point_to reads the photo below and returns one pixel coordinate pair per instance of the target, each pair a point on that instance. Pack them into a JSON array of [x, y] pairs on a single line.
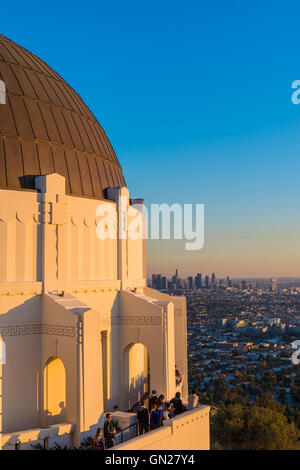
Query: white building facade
[[83, 333]]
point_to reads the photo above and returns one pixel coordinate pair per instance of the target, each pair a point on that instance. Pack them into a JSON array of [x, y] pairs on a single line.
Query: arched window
[[55, 391], [136, 373]]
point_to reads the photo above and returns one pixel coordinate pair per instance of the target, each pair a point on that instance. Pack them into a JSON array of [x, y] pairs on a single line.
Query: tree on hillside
[[267, 400], [252, 427]]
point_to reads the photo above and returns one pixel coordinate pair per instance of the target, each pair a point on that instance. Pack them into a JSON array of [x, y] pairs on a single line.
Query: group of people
[[151, 412], [104, 438]]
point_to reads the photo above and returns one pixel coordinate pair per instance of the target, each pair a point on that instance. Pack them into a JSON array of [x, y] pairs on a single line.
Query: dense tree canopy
[[258, 426]]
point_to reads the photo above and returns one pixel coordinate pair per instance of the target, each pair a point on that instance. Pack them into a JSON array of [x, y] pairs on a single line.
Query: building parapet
[[187, 431], [16, 440]]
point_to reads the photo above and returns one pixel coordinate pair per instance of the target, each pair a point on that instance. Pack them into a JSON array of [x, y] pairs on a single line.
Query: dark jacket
[[143, 415], [178, 406], [152, 400], [109, 429]]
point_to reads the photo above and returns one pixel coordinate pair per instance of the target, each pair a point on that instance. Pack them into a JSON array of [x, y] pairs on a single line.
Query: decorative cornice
[[136, 320], [37, 329], [23, 212], [85, 290], [69, 331], [94, 287]]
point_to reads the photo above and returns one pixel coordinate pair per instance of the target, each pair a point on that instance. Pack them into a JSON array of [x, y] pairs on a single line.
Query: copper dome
[[45, 127]]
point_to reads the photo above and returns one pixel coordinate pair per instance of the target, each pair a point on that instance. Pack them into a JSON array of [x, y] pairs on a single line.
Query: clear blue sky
[[195, 97]]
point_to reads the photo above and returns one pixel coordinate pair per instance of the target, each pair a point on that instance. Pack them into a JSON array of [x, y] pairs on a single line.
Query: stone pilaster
[[121, 197], [53, 219]]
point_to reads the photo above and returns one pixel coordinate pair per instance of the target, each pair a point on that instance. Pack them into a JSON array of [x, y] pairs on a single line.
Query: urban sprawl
[[242, 333]]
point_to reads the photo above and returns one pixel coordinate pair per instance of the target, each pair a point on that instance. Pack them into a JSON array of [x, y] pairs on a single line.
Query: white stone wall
[[89, 257], [188, 431], [19, 237], [48, 244]]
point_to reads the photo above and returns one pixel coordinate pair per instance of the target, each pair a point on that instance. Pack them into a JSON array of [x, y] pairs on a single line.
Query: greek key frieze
[[139, 320], [37, 329]]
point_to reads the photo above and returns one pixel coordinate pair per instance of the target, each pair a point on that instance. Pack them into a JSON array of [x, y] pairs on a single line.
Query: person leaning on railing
[[177, 403], [161, 401], [168, 412], [155, 417], [193, 400]]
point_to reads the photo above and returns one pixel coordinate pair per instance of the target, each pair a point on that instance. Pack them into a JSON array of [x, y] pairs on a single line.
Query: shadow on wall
[[54, 391], [137, 389], [136, 378], [56, 418]]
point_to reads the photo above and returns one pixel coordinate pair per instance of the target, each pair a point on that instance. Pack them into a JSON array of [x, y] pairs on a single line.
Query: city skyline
[[155, 267], [190, 281], [219, 277]]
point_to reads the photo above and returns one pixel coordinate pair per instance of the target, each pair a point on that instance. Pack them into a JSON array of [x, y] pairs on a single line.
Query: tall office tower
[[158, 282], [206, 282], [171, 285], [198, 281], [191, 283], [153, 281], [229, 281], [273, 284], [244, 285], [177, 280], [163, 283], [213, 279], [175, 277]]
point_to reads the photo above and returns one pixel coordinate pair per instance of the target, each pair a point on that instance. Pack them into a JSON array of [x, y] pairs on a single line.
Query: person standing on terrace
[[143, 418], [109, 431], [193, 400], [177, 403], [178, 376]]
